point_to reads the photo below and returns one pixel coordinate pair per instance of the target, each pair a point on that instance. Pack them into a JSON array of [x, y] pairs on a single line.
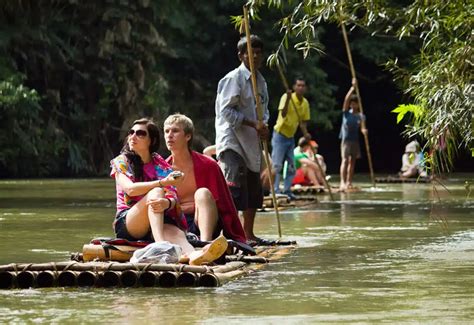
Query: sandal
[[260, 242], [236, 247], [210, 252]]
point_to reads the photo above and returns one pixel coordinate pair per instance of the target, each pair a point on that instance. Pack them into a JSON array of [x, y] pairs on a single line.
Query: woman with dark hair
[[147, 202]]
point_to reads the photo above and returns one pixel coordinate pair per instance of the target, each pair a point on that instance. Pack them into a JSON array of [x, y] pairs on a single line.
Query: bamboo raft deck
[[397, 179], [123, 274]]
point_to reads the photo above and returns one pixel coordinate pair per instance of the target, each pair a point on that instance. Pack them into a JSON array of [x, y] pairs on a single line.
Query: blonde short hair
[[184, 122]]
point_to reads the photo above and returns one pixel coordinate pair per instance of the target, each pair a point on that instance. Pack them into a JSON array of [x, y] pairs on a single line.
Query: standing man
[[292, 111], [238, 133], [203, 193], [352, 121]]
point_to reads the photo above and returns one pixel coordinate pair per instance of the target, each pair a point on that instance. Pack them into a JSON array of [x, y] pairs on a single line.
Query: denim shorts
[[193, 227], [120, 227]]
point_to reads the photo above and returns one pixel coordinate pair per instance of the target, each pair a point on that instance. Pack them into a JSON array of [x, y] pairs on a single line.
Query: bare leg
[[350, 170], [311, 174], [205, 215], [249, 220], [343, 173], [411, 172], [176, 236], [141, 218]]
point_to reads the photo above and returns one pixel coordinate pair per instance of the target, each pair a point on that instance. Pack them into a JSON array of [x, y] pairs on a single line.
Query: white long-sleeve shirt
[[234, 103]]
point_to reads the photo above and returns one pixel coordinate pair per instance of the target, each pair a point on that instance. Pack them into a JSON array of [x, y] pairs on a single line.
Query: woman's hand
[[159, 205], [173, 179]]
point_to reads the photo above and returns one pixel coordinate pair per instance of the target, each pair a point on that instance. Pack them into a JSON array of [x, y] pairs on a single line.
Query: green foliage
[[417, 111], [439, 79]]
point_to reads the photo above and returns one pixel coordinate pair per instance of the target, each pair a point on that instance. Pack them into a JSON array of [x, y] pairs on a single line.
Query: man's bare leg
[[205, 215], [249, 220]]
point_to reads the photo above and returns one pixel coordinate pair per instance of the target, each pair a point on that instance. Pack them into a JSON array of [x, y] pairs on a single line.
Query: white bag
[[162, 252]]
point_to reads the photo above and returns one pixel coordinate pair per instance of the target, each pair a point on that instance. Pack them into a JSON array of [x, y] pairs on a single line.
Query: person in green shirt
[[293, 111], [307, 170]]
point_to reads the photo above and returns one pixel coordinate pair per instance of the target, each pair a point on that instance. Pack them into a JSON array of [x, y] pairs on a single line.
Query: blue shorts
[[120, 227], [193, 227]]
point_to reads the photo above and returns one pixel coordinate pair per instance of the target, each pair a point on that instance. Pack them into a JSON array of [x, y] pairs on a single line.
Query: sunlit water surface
[[381, 255]]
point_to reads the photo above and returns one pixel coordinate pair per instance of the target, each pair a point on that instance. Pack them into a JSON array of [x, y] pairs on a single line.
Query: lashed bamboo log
[[187, 279], [46, 279], [87, 279], [148, 278], [129, 278], [67, 278], [101, 266], [7, 280], [167, 279], [26, 279]]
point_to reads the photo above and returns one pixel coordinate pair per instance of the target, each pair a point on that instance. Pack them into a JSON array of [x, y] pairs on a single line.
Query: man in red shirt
[[203, 193]]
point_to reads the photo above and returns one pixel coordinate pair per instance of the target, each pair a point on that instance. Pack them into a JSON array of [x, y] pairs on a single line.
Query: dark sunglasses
[[139, 133]]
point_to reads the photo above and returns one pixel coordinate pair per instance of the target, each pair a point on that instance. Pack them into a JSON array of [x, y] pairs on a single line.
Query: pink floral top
[[156, 169]]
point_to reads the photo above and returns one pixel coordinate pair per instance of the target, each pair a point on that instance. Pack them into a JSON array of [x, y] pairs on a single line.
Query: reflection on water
[[371, 256]]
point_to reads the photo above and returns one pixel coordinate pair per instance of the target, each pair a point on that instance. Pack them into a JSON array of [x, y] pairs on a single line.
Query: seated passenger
[[204, 196], [412, 161], [307, 170], [147, 202]]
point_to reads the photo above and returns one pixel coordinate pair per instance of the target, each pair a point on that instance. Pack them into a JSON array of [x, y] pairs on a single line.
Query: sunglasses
[[139, 133]]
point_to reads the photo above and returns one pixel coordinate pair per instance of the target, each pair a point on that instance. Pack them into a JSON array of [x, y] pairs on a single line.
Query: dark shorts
[[193, 227], [244, 184], [120, 227], [350, 148]]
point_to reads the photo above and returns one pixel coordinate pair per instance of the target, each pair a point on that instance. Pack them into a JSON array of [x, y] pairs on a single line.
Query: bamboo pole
[[287, 87], [260, 112], [353, 73]]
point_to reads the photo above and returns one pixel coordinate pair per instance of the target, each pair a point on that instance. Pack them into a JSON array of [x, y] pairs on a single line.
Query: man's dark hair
[[299, 78], [353, 99], [255, 41]]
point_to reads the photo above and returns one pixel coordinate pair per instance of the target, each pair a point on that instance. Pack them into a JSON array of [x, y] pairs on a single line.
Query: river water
[[380, 255]]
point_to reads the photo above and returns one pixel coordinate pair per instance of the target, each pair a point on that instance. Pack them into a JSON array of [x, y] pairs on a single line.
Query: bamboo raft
[[117, 274], [397, 179]]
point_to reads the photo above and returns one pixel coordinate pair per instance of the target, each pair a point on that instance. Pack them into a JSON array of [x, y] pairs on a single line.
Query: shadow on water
[[371, 256]]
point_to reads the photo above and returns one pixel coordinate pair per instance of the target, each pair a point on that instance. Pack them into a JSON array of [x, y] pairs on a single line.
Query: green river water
[[369, 257]]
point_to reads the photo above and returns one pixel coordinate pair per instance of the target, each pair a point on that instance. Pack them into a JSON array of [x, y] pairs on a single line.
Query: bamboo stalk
[[231, 266], [246, 259], [287, 87], [232, 275], [260, 112], [353, 73]]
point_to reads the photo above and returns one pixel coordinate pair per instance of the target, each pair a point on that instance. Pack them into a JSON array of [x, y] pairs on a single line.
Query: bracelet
[[159, 183], [169, 207]]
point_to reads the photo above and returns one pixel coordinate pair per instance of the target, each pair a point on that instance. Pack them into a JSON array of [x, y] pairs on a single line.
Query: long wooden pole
[[353, 73], [287, 87], [260, 113]]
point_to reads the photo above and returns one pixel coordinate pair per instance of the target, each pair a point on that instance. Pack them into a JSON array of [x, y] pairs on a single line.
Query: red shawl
[[208, 174]]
